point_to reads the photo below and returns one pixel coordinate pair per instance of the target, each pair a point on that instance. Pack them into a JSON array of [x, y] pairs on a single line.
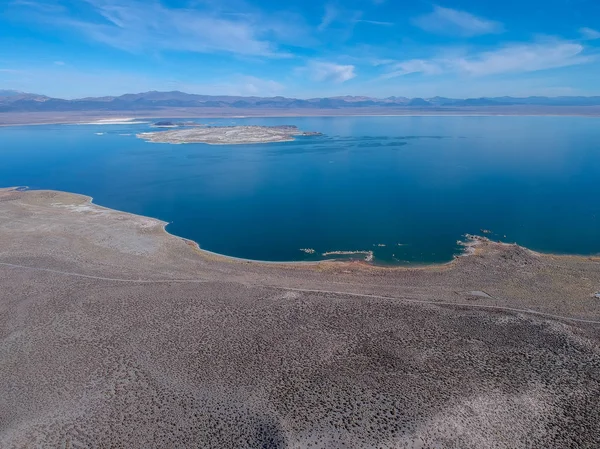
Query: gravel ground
[[114, 333]]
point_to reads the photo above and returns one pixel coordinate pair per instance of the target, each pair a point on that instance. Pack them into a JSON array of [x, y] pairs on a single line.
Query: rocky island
[[169, 124], [165, 124], [227, 135]]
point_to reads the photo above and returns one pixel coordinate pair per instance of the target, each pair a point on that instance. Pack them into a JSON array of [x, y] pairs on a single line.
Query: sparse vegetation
[[116, 334], [227, 135]]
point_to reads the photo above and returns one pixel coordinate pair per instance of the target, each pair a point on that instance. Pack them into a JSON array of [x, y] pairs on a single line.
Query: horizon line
[[17, 91]]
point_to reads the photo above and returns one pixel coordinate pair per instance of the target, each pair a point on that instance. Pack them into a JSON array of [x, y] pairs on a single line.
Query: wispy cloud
[[346, 18], [237, 85], [331, 72], [250, 85], [414, 66], [449, 21], [524, 58], [46, 6], [509, 59], [589, 33], [136, 25], [331, 13], [375, 22]]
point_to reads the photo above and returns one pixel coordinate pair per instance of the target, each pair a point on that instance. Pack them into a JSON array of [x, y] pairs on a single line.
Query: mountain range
[[15, 101]]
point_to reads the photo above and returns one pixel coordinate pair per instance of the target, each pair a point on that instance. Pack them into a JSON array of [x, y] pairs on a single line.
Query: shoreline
[[120, 333], [471, 244], [104, 118]]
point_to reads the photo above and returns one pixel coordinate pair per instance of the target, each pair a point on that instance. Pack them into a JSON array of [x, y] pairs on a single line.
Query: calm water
[[413, 184]]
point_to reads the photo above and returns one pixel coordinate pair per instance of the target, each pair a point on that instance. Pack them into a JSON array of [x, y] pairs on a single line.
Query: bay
[[406, 188]]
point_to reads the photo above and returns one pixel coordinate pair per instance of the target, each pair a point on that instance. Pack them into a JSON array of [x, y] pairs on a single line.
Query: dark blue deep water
[[413, 184]]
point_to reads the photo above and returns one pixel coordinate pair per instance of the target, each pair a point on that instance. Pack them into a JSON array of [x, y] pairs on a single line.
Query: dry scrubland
[[116, 334]]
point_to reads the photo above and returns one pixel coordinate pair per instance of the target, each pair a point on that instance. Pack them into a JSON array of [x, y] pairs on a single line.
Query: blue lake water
[[413, 184]]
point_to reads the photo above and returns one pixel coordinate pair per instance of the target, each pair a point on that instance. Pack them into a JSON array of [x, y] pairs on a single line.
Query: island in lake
[[227, 135], [169, 124]]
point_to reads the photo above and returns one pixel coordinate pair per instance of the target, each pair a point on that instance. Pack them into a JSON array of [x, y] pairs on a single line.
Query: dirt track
[[115, 334]]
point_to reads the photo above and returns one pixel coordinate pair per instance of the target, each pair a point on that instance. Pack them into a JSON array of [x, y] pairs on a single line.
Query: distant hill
[[15, 101], [12, 96], [419, 102]]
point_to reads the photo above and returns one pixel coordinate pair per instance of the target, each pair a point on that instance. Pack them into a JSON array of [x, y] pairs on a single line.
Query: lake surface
[[413, 184]]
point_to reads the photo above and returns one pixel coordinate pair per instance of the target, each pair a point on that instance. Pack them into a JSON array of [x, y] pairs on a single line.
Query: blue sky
[[459, 48]]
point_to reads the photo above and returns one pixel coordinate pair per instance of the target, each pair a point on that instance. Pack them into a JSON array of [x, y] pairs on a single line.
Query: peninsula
[[114, 333], [227, 135]]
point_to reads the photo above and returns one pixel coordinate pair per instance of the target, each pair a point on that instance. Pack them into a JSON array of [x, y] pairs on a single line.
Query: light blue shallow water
[[413, 184]]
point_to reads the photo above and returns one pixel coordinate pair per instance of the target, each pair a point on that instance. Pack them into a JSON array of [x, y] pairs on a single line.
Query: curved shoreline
[[225, 257], [110, 323], [164, 224], [470, 245], [71, 117]]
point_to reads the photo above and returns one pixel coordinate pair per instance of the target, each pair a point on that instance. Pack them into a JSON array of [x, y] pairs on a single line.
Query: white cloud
[[59, 63], [331, 13], [509, 59], [49, 7], [328, 71], [375, 22], [523, 58], [414, 66], [345, 19], [136, 25], [589, 33], [250, 85], [454, 22]]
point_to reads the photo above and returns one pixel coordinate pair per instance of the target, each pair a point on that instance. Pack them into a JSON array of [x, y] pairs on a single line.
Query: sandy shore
[[71, 117], [115, 333], [114, 121]]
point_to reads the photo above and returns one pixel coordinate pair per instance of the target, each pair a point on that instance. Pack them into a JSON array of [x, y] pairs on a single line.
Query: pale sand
[[114, 121], [38, 118]]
